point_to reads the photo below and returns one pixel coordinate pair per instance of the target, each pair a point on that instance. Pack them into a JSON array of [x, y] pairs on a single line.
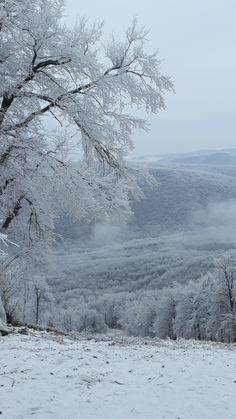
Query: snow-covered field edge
[[49, 375]]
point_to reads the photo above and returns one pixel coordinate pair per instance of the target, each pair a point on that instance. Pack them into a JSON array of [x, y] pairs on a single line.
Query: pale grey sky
[[196, 39]]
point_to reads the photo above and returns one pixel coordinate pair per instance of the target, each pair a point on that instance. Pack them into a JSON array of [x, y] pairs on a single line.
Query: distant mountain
[[219, 158], [201, 157]]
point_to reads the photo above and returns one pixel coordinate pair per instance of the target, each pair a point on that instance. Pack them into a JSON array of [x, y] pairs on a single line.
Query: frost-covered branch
[[50, 71]]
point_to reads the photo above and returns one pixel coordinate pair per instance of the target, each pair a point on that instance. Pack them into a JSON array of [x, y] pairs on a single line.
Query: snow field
[[46, 376]]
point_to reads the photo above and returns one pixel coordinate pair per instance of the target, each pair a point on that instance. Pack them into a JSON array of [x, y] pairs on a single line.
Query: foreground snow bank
[[48, 376]]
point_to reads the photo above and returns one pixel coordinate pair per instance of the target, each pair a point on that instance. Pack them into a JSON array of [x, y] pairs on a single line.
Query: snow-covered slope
[[46, 376]]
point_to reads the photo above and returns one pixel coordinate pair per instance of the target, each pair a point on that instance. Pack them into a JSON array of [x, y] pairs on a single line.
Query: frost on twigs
[[50, 72], [5, 241]]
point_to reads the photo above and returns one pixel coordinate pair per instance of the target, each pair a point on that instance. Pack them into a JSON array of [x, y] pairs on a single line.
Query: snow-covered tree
[[42, 297], [186, 323], [222, 321], [163, 326], [7, 290], [10, 283], [50, 72], [138, 316]]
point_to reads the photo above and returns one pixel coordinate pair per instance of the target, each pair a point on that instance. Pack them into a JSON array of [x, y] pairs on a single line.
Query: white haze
[[212, 228], [107, 233]]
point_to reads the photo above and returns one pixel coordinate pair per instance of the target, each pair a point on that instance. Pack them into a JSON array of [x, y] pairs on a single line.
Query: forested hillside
[[175, 237]]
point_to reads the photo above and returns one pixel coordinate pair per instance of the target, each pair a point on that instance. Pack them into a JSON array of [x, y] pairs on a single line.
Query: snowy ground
[[46, 376]]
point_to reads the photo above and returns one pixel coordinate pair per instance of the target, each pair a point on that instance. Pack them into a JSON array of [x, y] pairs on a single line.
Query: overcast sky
[[196, 39]]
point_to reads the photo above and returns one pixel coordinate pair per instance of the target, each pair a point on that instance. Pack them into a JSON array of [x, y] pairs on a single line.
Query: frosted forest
[[91, 239]]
